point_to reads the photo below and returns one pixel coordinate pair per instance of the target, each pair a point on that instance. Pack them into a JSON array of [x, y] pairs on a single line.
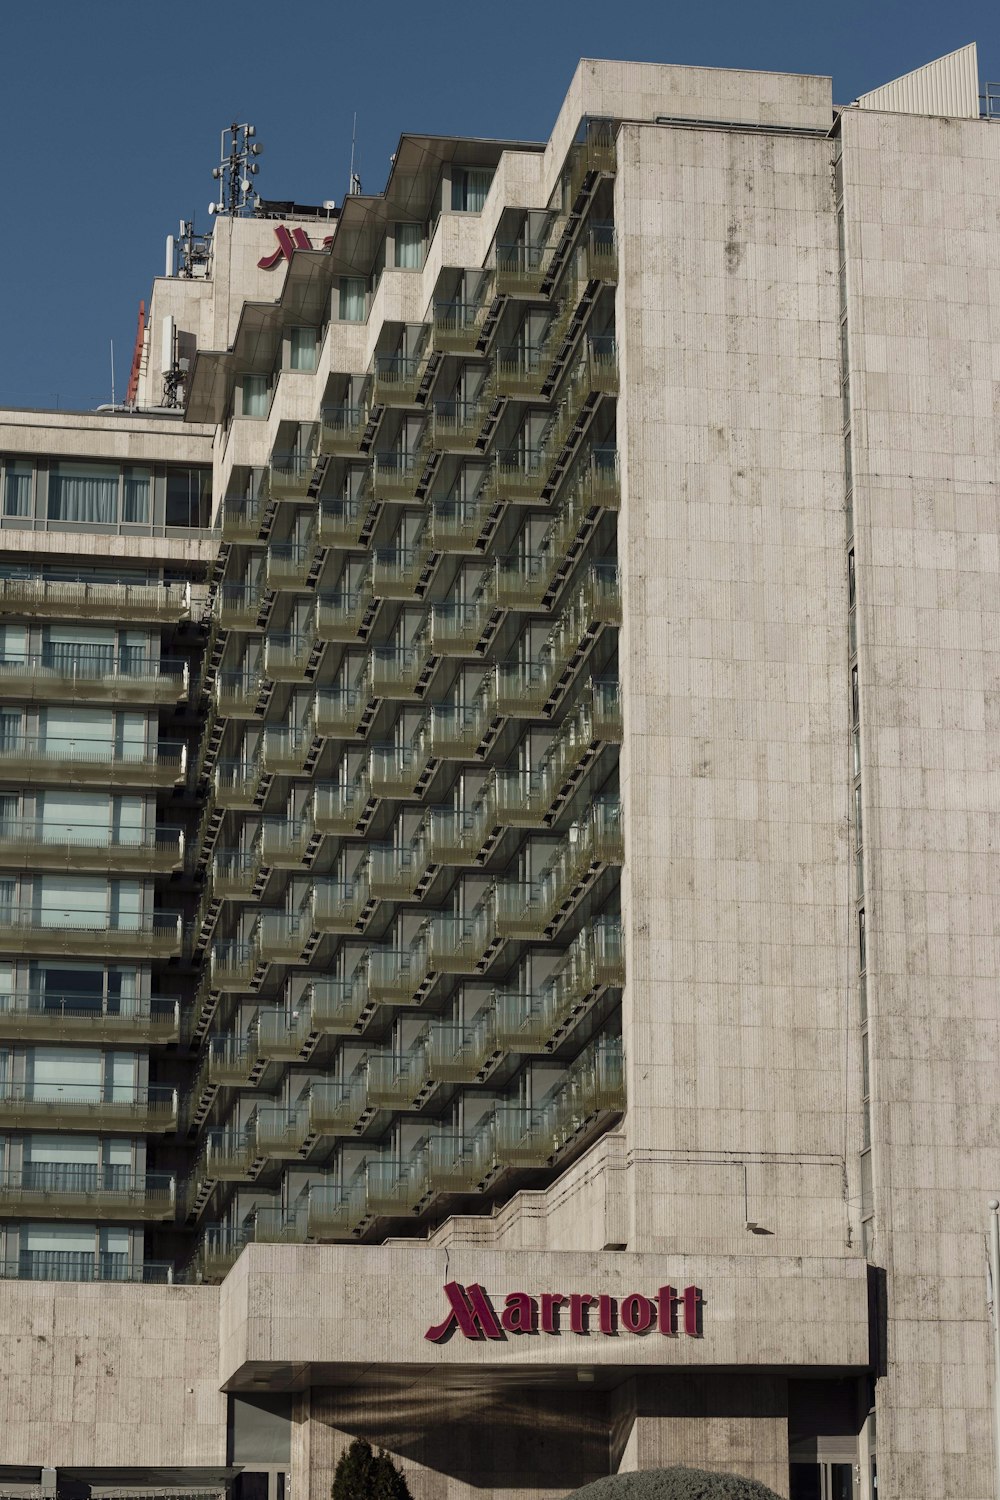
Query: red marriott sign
[[472, 1314]]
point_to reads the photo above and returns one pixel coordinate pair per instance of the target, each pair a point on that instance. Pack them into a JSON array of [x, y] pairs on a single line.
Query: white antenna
[[112, 372], [354, 186]]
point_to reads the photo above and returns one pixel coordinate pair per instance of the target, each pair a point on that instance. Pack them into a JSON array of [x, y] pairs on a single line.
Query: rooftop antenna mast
[[112, 372], [236, 171], [355, 184]]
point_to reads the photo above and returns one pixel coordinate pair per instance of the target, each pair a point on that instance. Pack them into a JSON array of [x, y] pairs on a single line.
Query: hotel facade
[[499, 822]]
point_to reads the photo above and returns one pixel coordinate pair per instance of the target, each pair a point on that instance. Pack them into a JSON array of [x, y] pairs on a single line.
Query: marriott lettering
[[472, 1313]]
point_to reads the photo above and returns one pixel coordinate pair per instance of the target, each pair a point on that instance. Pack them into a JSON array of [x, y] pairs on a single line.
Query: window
[[409, 239], [352, 299], [303, 344], [83, 493], [135, 498], [254, 393], [469, 187], [17, 488], [189, 497]]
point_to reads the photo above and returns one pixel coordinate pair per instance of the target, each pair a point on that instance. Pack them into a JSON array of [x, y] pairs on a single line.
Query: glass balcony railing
[[520, 370], [286, 656], [340, 523], [452, 731], [341, 429], [595, 373], [337, 905], [448, 836], [531, 1022], [242, 517], [46, 844], [456, 424], [289, 475], [456, 325], [396, 770], [281, 842], [396, 571], [460, 944], [55, 1189], [233, 874], [394, 872], [84, 1265], [520, 580], [458, 525], [235, 693], [56, 930], [278, 937], [458, 1053], [55, 599], [599, 253], [285, 749], [397, 378], [83, 1106], [288, 564], [394, 474], [238, 605], [592, 156], [335, 1006], [231, 965], [337, 711], [521, 267], [336, 808], [43, 760], [326, 1210], [340, 613], [394, 975], [396, 671], [394, 1080], [79, 1018], [530, 910], [513, 799], [456, 629], [518, 474], [234, 784], [217, 1252], [95, 676]]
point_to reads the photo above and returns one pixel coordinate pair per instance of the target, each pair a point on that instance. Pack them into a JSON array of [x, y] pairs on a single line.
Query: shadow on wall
[[543, 1440]]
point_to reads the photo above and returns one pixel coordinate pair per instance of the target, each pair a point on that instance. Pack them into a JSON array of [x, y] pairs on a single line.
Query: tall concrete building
[[499, 893]]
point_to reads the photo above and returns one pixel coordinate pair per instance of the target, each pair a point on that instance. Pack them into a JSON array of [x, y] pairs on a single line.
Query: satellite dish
[[211, 209]]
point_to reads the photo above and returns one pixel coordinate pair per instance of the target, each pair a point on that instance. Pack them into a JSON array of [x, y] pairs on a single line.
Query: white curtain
[[352, 299], [17, 490], [84, 493], [302, 349], [76, 649], [409, 246], [135, 505]]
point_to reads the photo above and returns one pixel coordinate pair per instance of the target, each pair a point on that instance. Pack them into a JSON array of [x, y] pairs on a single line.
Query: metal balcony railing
[[520, 370], [455, 326], [340, 613], [83, 1265], [56, 599], [518, 474], [78, 1018], [64, 1189], [94, 675], [341, 522], [32, 929], [289, 475], [242, 517], [235, 693], [119, 1108], [396, 378], [237, 605], [337, 711], [521, 267], [394, 474], [457, 525], [456, 424], [41, 760], [341, 429], [46, 844]]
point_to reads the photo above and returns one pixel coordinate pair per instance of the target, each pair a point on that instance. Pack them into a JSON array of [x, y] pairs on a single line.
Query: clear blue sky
[[111, 113]]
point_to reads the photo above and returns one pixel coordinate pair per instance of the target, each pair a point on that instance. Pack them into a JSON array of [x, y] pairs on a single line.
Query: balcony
[[217, 1252], [326, 1211], [337, 906], [456, 629], [235, 694], [278, 937], [70, 1190], [394, 474], [77, 1018], [341, 430], [599, 254], [456, 425], [85, 1265], [282, 842], [396, 770], [86, 933], [518, 474], [400, 671], [448, 836], [344, 614], [456, 325], [394, 974], [234, 785], [459, 1054], [394, 872], [452, 731], [289, 564], [396, 571], [513, 799], [234, 875], [594, 374], [34, 760], [533, 910], [536, 1021], [397, 378], [340, 523], [594, 155], [238, 606], [520, 371], [243, 518], [286, 750], [597, 482], [286, 656], [94, 675], [117, 1109], [336, 1006], [231, 966], [395, 1080], [520, 582], [458, 525], [462, 945], [521, 267], [290, 475], [50, 599], [43, 844], [337, 808], [338, 711]]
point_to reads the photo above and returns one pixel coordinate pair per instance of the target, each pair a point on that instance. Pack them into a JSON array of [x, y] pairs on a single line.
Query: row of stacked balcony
[[94, 677], [510, 910], [511, 798], [404, 672], [84, 933], [141, 1109], [36, 760], [71, 1189], [48, 845], [510, 1138], [58, 599], [512, 1021]]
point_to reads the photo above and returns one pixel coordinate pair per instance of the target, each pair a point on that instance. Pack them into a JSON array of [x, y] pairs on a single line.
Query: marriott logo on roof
[[472, 1314]]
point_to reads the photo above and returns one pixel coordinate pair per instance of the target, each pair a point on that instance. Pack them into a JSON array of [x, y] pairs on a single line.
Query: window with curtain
[[135, 497], [469, 187], [86, 494], [253, 391], [77, 649], [68, 730], [17, 479], [352, 299], [303, 344], [189, 496], [72, 901], [409, 241]]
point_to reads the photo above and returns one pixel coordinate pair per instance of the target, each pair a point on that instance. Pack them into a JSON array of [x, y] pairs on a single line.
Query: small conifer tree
[[363, 1475]]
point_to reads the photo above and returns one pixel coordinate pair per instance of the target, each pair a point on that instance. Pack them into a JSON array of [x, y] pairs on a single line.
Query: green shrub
[[363, 1475], [674, 1484]]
